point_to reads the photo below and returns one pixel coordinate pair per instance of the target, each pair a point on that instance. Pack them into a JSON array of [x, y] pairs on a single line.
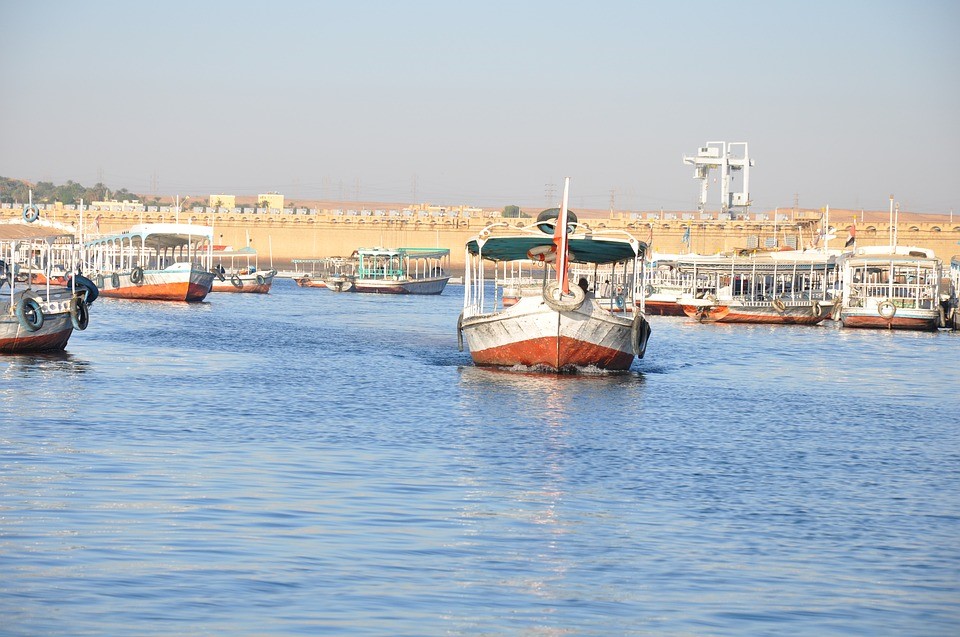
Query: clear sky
[[842, 102]]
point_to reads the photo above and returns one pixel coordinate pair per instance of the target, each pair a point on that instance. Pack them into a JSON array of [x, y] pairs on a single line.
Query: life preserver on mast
[[31, 213]]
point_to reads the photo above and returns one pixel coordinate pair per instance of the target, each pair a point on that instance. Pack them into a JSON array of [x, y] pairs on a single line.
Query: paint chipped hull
[[190, 285], [531, 334]]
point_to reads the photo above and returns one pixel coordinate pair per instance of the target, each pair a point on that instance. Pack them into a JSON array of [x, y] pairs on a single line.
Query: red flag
[[852, 238]]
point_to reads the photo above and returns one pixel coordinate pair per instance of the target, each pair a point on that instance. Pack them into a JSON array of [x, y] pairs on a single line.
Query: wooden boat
[[402, 270], [663, 285], [308, 281], [552, 325], [895, 288], [951, 304], [41, 301], [339, 283], [785, 288], [245, 277], [159, 261]]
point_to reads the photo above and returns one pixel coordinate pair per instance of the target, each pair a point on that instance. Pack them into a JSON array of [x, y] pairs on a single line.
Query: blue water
[[317, 463]]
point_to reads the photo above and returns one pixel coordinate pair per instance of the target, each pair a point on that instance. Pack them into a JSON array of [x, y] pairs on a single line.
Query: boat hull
[[917, 321], [658, 307], [52, 335], [766, 314], [191, 285], [531, 334], [413, 286], [257, 283]]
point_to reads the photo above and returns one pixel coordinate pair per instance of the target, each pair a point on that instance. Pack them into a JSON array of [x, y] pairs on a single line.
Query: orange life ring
[[543, 254]]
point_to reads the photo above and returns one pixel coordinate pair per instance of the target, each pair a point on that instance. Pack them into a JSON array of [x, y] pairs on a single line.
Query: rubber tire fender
[[27, 306], [552, 297], [236, 281], [136, 275], [79, 313], [639, 334]]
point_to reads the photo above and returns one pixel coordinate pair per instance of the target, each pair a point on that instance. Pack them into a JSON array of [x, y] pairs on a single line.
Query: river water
[[316, 463]]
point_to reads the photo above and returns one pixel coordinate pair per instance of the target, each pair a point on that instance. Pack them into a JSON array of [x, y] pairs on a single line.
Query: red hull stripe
[[896, 323], [546, 352], [182, 291], [30, 342]]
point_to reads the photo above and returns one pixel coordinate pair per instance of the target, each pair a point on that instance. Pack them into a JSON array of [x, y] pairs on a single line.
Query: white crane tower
[[729, 158]]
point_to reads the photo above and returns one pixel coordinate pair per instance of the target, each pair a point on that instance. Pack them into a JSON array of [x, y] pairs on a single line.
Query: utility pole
[[548, 193], [613, 201]]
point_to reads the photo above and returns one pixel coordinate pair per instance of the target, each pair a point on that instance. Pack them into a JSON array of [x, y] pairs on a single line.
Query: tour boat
[[41, 301], [158, 261], [786, 288], [663, 285], [244, 276], [550, 325], [894, 288], [402, 270]]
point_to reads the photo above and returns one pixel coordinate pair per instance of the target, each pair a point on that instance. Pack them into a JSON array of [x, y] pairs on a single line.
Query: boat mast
[[560, 239]]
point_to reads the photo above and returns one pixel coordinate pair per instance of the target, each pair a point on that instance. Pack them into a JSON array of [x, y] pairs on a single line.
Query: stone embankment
[[284, 236]]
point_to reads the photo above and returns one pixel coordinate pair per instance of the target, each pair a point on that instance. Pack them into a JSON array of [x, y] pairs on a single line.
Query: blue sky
[[842, 102]]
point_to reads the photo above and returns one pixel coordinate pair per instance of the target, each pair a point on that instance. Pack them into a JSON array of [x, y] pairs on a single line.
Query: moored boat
[[245, 277], [781, 288], [160, 261], [402, 270], [895, 288], [41, 301], [551, 325]]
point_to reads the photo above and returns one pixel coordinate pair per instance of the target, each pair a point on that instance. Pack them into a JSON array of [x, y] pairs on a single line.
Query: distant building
[[274, 200], [227, 202]]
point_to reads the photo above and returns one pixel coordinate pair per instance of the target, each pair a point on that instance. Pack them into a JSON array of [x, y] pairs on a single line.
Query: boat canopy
[[584, 248], [158, 235], [415, 253]]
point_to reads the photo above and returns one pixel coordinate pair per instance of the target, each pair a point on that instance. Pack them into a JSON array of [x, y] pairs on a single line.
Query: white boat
[[784, 287], [244, 276], [951, 311], [159, 261], [894, 288], [402, 270], [41, 301], [550, 324]]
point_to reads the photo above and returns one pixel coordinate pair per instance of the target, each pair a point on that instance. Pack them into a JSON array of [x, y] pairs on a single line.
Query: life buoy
[[887, 309], [261, 280], [136, 275], [31, 213], [29, 313], [639, 334], [115, 280], [237, 281], [648, 291], [778, 305], [79, 314], [543, 254], [553, 297]]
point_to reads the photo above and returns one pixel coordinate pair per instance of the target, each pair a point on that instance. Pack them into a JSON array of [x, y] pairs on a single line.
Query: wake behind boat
[[550, 324], [155, 261]]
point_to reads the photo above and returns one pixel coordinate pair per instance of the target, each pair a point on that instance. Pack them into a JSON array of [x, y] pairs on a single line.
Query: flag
[[686, 236], [852, 238]]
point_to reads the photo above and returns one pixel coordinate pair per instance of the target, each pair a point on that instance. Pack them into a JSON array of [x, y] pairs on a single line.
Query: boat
[[155, 261], [891, 287], [42, 298], [402, 270], [545, 323], [781, 288], [316, 272], [663, 285], [244, 276]]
